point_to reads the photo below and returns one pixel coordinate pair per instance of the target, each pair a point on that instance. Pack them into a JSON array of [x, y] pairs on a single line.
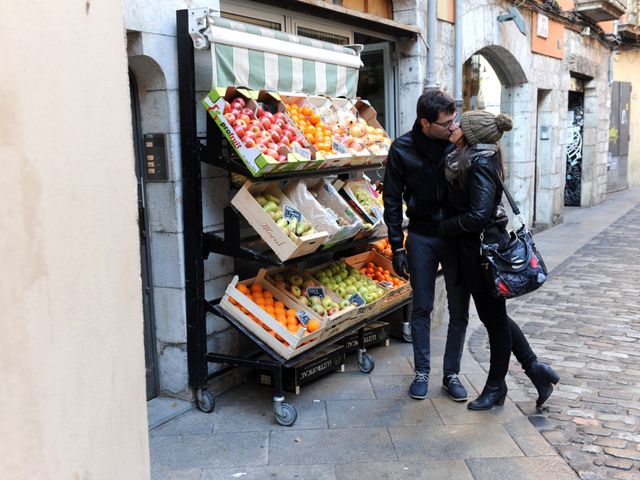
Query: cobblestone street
[[586, 323]]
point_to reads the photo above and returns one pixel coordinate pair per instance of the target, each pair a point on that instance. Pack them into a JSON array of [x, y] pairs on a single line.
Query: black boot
[[542, 376], [493, 393]]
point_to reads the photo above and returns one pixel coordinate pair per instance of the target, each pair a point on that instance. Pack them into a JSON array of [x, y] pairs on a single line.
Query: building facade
[[544, 63]]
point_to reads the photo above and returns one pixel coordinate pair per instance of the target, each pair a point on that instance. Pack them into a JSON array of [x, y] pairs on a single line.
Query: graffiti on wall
[[574, 156]]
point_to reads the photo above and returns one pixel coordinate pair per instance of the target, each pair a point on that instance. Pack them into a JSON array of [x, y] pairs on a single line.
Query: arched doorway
[[494, 80]]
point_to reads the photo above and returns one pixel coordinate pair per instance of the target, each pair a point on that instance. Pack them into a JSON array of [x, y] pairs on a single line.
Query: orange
[[256, 287], [267, 294], [233, 301], [291, 313], [313, 325], [268, 301], [259, 301], [307, 110], [293, 328], [278, 304], [270, 310], [292, 321], [282, 321], [243, 288]]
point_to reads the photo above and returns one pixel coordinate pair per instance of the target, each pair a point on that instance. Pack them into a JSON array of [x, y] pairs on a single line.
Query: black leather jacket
[[472, 203], [415, 173]]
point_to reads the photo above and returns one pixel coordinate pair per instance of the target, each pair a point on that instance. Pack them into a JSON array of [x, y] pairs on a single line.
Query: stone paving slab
[[381, 413], [204, 451], [457, 413], [537, 468], [190, 474], [333, 446], [431, 470], [288, 472], [453, 441]]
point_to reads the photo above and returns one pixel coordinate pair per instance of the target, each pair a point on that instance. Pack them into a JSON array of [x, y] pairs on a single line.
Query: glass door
[[376, 83]]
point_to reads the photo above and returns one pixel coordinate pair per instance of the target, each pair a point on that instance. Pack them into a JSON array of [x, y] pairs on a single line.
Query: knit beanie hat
[[480, 126]]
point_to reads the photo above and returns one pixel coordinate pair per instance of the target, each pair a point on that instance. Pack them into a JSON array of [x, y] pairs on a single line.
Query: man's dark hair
[[433, 102]]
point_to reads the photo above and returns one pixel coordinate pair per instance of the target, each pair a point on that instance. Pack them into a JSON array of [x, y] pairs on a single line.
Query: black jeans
[[505, 336], [425, 253]]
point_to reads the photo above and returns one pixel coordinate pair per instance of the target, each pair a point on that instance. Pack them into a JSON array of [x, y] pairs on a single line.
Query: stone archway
[[514, 98]]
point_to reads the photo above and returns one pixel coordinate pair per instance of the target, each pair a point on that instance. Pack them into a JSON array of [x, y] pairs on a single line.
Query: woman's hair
[[464, 160]]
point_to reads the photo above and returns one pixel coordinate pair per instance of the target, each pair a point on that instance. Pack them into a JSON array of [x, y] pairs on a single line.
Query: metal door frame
[[152, 375]]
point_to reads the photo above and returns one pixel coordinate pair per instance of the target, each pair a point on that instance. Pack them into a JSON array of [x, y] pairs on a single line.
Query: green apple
[[380, 292], [342, 284], [304, 300], [319, 309], [350, 290], [327, 302], [344, 303], [363, 291], [314, 300], [296, 280], [295, 291], [340, 291], [368, 297]]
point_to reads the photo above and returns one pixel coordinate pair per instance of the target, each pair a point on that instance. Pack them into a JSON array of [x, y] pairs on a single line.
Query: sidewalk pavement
[[351, 425]]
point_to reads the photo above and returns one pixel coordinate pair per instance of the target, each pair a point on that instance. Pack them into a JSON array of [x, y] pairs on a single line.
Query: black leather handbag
[[516, 268]]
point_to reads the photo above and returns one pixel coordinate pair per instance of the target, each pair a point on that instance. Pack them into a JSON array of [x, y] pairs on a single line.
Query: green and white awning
[[261, 58]]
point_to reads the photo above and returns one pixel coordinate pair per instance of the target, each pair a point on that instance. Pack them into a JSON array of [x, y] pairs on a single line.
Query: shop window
[[253, 21], [324, 36]]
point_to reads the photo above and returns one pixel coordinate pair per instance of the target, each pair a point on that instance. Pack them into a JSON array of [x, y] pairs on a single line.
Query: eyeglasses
[[445, 124]]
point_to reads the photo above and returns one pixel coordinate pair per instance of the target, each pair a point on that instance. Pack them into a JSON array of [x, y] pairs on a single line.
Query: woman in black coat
[[474, 171]]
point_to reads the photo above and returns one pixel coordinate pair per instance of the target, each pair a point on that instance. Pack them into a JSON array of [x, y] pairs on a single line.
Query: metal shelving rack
[[199, 244]]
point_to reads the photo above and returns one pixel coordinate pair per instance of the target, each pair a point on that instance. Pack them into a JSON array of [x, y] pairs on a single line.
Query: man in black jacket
[[415, 173]]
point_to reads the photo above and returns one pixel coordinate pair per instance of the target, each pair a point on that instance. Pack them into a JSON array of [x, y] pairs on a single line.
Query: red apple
[[240, 130], [272, 145], [255, 129], [240, 101], [245, 117], [248, 112], [269, 116], [285, 140], [282, 158], [262, 147], [266, 136], [275, 136], [231, 118], [279, 116], [249, 141], [272, 153], [259, 112], [266, 123], [227, 107]]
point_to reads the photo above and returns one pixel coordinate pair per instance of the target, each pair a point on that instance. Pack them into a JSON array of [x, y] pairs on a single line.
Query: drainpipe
[[457, 63], [432, 23], [612, 55]]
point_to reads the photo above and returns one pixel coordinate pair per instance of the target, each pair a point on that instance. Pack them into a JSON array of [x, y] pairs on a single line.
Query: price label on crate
[[303, 152], [339, 148], [291, 213], [386, 284], [303, 317], [315, 292], [357, 300]]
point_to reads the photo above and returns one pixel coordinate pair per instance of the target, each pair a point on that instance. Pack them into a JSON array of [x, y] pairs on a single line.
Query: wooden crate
[[280, 243], [375, 333]]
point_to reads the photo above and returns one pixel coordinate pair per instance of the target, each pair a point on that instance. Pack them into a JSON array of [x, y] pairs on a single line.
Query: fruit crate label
[[386, 284], [303, 152], [339, 148], [377, 212], [291, 213], [315, 292], [303, 317], [357, 300]]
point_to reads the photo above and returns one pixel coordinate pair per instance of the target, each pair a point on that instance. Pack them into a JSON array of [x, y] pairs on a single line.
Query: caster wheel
[[206, 403], [367, 364], [288, 416], [407, 338]]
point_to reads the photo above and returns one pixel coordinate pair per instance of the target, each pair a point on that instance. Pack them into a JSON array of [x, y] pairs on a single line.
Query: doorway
[[575, 126], [617, 167], [150, 355]]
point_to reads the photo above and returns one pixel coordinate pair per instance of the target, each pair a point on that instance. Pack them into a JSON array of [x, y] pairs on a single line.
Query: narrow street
[[584, 321]]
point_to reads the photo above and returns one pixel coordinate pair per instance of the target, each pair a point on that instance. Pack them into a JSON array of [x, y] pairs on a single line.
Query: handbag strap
[[512, 202]]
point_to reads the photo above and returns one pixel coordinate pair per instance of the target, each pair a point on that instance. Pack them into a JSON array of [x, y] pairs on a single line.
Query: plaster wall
[[625, 69], [71, 351], [152, 50]]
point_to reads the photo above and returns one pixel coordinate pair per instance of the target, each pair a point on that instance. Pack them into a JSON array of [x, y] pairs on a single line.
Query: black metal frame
[[198, 244]]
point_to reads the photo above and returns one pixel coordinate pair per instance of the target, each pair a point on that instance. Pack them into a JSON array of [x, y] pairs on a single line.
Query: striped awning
[[261, 58]]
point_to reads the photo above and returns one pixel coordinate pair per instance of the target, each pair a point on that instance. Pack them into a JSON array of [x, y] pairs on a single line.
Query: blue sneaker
[[451, 384], [420, 386]]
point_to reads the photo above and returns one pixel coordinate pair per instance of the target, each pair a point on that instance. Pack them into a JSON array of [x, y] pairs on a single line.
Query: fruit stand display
[[300, 212]]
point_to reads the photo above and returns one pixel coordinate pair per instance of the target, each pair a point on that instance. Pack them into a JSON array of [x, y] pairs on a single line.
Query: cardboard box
[[278, 338], [328, 196], [321, 216], [283, 246], [257, 162], [394, 294], [376, 333], [325, 361]]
